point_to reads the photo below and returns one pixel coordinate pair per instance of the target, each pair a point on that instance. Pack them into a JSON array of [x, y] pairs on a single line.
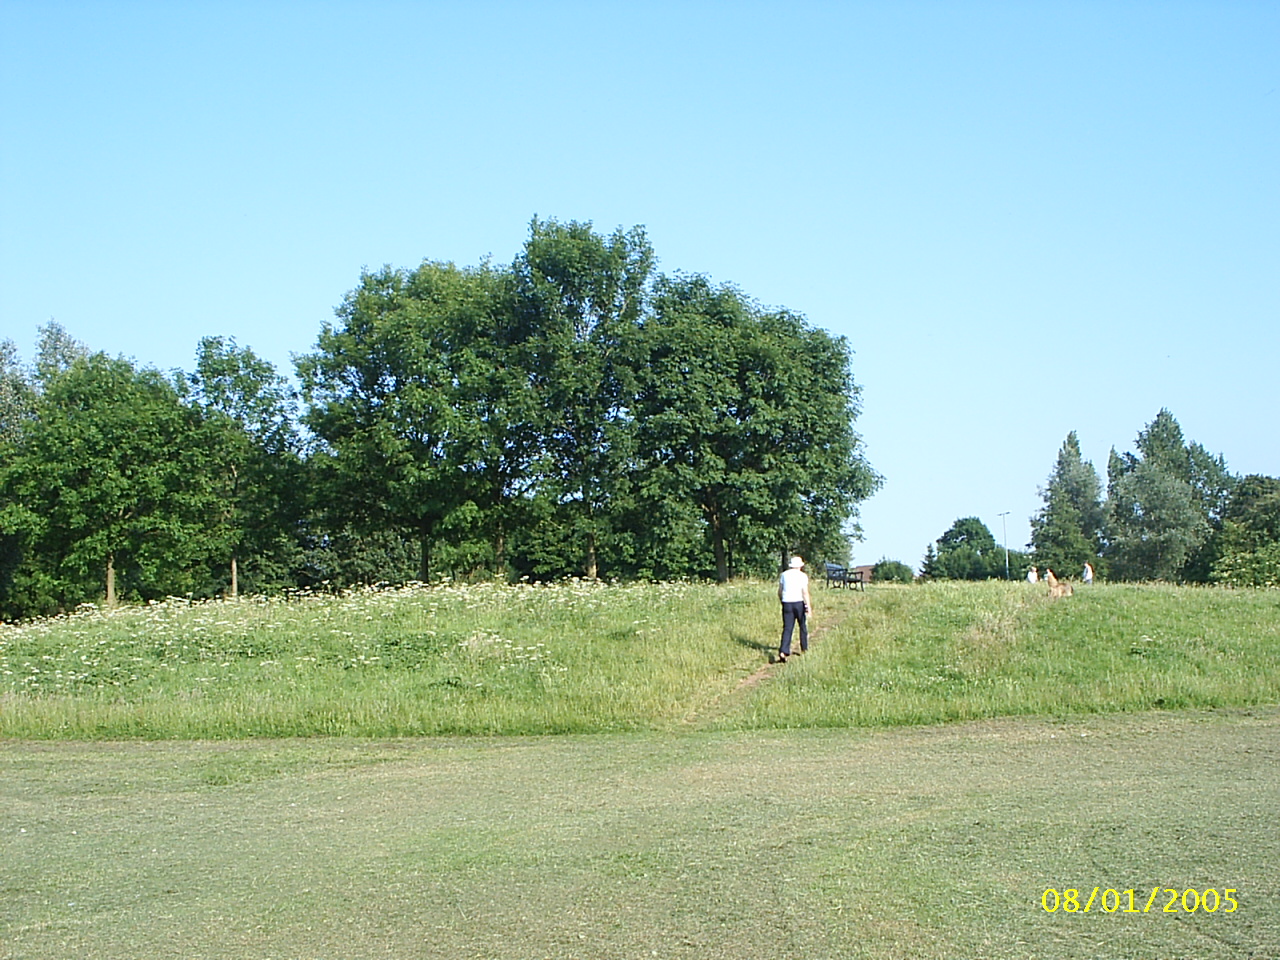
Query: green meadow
[[490, 659], [590, 770]]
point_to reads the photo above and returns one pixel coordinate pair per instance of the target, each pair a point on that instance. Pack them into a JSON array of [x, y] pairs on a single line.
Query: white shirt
[[794, 583]]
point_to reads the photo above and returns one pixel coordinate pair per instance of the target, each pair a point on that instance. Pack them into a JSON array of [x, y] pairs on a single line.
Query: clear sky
[[1026, 217]]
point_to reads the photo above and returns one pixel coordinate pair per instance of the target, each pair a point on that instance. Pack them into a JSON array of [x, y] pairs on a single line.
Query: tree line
[[1171, 511], [575, 413]]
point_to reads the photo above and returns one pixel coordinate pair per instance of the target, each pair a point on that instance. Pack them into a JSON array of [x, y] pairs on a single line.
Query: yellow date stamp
[[1190, 900]]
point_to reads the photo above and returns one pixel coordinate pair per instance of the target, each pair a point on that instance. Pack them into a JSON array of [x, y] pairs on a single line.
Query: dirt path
[[721, 701]]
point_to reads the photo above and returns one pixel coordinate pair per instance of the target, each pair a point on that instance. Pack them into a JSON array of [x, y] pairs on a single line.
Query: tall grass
[[593, 657], [480, 658], [960, 651]]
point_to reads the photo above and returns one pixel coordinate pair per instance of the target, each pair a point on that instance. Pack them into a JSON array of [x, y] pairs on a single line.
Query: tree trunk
[[592, 569], [711, 508], [235, 578], [111, 579], [499, 534], [717, 548], [424, 559], [500, 553]]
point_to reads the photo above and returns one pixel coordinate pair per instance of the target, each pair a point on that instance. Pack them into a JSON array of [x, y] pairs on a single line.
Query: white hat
[[796, 563]]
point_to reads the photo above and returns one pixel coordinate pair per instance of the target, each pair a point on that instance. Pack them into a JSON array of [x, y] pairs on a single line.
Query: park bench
[[840, 576]]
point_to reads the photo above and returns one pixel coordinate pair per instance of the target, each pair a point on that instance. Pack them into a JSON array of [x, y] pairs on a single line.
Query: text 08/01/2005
[[1127, 901]]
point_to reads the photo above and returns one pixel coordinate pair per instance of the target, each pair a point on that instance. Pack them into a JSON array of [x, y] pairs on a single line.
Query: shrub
[[892, 571]]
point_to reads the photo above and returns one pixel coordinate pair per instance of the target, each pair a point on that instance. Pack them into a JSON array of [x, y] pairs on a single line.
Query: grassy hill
[[594, 657]]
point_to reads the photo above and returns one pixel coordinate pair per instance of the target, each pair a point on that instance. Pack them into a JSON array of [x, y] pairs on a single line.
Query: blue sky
[[1027, 218]]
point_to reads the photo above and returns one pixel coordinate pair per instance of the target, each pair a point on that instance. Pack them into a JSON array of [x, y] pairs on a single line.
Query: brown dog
[[1056, 587]]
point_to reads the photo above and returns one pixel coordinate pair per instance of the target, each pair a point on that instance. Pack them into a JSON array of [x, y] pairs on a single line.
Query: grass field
[[955, 651], [593, 658], [373, 776], [924, 842]]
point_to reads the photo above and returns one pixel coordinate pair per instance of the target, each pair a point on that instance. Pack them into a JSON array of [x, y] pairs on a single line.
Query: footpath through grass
[[961, 651], [921, 843], [590, 657]]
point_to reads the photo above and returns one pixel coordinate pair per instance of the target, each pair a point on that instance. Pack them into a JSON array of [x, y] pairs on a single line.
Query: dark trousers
[[793, 613]]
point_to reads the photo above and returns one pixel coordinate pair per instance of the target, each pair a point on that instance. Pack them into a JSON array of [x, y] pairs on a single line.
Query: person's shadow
[[751, 643]]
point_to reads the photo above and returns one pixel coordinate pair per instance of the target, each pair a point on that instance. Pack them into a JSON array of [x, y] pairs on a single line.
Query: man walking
[[793, 592]]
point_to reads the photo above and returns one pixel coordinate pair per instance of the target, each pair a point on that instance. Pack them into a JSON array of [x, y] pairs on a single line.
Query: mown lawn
[[921, 842]]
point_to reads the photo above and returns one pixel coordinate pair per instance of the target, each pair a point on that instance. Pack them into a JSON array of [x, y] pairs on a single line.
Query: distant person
[[1087, 576], [793, 592], [1033, 575]]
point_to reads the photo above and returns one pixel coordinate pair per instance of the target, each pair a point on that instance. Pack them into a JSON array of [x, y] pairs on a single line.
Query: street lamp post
[[1004, 535]]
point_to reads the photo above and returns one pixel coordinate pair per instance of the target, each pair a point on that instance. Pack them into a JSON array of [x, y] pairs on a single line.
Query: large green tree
[[17, 407], [967, 551], [1164, 505], [745, 427], [690, 416], [249, 411], [1248, 551], [1155, 524], [393, 390], [496, 393], [109, 487], [1067, 531], [581, 297]]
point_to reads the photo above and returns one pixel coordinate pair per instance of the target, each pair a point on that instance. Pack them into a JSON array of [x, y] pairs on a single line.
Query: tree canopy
[[573, 413], [1068, 531], [744, 427], [108, 488], [967, 551], [1248, 550], [1165, 506]]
